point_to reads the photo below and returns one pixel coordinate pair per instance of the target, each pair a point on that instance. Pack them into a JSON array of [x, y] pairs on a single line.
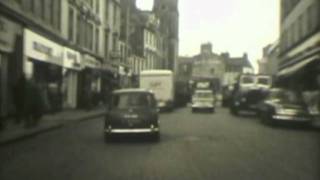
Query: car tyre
[[107, 137], [234, 111], [156, 137], [267, 119]]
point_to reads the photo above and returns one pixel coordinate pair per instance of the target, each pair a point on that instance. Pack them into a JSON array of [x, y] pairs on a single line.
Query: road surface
[[192, 146]]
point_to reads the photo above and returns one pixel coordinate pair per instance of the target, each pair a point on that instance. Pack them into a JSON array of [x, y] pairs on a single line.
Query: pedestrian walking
[[19, 98], [34, 104]]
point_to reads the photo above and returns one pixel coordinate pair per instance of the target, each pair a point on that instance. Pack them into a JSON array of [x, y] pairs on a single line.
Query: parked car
[[203, 100], [132, 111], [282, 105]]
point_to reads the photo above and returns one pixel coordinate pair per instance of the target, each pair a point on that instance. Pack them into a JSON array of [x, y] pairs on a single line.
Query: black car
[[282, 105], [132, 111], [246, 100]]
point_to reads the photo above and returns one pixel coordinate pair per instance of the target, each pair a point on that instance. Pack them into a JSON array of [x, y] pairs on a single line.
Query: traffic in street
[[200, 145]]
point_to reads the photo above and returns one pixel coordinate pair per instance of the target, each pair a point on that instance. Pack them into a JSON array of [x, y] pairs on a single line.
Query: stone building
[[208, 65], [168, 13], [269, 62], [68, 47], [234, 66], [299, 44], [299, 57]]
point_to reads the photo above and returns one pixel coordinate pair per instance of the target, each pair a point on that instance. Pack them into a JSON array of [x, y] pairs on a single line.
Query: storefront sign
[[8, 31], [42, 49], [71, 59], [91, 62]]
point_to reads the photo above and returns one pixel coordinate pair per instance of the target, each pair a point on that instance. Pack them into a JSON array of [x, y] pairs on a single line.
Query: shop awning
[[295, 68]]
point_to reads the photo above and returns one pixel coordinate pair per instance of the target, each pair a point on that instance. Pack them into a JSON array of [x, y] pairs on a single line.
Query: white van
[[161, 83]]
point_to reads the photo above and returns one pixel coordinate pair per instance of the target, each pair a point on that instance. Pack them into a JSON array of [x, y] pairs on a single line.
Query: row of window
[[302, 27], [81, 31], [111, 5], [151, 62], [152, 40], [49, 11], [287, 6]]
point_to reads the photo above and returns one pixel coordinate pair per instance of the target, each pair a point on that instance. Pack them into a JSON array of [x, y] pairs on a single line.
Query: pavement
[[192, 146], [14, 132]]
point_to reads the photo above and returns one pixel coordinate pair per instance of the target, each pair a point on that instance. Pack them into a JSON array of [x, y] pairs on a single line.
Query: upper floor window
[[70, 24], [98, 6]]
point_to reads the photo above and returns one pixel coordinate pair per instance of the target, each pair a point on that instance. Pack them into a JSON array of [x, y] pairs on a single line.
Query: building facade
[[299, 44], [234, 66], [168, 13], [208, 65], [64, 46], [269, 62]]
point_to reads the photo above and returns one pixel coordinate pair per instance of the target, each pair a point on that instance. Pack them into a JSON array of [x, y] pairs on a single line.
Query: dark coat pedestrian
[[34, 103], [19, 97]]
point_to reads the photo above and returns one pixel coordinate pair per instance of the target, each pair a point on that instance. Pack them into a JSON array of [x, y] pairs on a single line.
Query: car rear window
[[264, 81], [203, 94], [247, 80], [125, 100]]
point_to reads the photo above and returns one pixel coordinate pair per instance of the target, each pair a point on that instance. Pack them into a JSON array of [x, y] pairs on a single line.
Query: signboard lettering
[[42, 48], [155, 84]]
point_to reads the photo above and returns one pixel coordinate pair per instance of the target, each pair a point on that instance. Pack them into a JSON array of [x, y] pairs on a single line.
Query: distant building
[[269, 62], [208, 65], [234, 66], [184, 69]]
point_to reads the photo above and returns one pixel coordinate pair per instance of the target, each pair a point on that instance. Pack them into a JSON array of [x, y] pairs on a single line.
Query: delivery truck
[[161, 83]]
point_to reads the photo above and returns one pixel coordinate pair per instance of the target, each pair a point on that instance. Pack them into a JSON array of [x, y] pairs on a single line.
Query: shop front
[[71, 68], [89, 83], [43, 64], [304, 78], [10, 34]]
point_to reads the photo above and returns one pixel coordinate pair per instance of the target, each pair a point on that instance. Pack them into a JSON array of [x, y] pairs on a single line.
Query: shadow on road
[[131, 138]]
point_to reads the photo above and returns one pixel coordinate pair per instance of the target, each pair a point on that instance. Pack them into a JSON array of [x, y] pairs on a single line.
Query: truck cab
[[248, 92]]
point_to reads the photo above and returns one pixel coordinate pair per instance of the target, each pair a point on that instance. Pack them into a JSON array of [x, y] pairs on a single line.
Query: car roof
[[131, 90]]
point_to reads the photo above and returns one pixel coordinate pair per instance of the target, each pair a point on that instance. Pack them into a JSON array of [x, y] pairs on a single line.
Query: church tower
[[167, 11]]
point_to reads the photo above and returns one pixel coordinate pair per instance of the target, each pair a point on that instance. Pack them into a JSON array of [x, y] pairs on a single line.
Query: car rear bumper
[[204, 106], [126, 131], [290, 118]]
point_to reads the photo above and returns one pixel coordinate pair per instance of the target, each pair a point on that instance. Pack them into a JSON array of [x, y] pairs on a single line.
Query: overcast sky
[[236, 26]]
